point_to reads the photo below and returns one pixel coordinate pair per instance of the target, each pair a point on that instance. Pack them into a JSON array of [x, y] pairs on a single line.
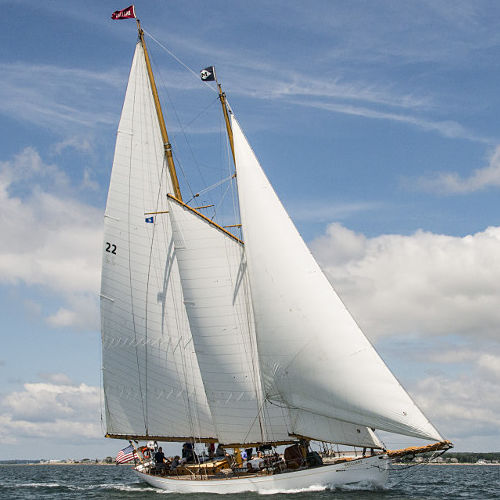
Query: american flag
[[126, 455]]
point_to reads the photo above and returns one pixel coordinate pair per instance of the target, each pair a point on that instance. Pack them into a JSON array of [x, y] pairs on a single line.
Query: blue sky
[[377, 123]]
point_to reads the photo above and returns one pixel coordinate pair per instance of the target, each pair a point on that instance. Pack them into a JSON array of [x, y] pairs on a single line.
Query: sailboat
[[240, 341]]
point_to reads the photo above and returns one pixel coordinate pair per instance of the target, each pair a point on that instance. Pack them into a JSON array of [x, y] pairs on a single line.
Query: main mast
[[223, 101], [166, 142]]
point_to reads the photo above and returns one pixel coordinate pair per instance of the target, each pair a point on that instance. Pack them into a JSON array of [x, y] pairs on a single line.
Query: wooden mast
[[223, 101], [166, 142]]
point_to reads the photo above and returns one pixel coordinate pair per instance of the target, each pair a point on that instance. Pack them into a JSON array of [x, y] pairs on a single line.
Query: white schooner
[[209, 338]]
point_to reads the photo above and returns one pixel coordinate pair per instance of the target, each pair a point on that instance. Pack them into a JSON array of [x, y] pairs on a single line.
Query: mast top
[[224, 104], [139, 29]]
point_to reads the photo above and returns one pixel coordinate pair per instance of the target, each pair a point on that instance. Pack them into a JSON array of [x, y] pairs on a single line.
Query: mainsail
[[312, 353], [152, 381]]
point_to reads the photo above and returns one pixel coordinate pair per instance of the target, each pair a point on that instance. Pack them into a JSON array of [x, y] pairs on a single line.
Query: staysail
[[313, 355], [152, 381], [214, 279]]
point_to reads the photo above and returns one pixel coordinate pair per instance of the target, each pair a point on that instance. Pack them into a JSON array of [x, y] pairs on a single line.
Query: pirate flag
[[208, 74]]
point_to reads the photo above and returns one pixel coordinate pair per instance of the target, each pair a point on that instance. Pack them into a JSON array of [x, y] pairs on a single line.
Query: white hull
[[372, 471]]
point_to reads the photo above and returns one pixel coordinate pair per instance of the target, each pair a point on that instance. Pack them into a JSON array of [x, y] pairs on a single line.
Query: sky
[[376, 122]]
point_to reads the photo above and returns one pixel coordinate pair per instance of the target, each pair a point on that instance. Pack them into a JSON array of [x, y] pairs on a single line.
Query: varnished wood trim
[[205, 218]]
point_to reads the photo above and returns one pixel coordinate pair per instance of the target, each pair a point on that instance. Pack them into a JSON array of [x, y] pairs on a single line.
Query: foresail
[[313, 355], [152, 382], [214, 279]]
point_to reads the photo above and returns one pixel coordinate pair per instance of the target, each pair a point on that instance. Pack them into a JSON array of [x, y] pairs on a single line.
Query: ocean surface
[[93, 481]]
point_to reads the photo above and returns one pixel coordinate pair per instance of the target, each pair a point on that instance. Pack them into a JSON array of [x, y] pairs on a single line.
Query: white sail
[[215, 285], [305, 423], [152, 381], [313, 355]]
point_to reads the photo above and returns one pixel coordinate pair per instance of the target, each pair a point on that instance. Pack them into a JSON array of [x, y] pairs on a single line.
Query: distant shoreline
[[67, 463], [444, 463], [131, 465]]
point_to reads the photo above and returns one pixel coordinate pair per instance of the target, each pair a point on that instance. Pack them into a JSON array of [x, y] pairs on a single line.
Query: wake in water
[[300, 490]]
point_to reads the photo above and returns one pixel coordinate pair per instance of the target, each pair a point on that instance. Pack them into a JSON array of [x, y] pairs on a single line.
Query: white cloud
[[289, 85], [49, 238], [44, 409], [491, 364], [427, 284], [458, 389], [83, 312], [453, 183], [324, 212], [75, 143], [486, 360], [57, 98], [56, 378], [446, 128], [461, 406]]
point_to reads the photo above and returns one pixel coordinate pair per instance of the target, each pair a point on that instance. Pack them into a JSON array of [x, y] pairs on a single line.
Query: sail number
[[110, 248]]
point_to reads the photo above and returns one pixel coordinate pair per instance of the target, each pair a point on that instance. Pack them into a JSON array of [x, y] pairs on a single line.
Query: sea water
[[99, 481]]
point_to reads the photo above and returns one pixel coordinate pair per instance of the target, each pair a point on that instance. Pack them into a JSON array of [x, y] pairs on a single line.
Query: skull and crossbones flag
[[208, 74]]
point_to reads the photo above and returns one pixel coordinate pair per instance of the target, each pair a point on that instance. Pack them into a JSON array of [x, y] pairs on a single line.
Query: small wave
[[37, 485], [359, 486], [309, 489], [136, 487]]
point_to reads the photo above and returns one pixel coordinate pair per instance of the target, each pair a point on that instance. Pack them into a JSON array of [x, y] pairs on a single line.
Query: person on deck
[[293, 456], [220, 452], [250, 468], [188, 453], [175, 462], [160, 459]]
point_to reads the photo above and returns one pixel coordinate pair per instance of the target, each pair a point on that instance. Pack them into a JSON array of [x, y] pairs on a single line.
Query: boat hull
[[372, 471]]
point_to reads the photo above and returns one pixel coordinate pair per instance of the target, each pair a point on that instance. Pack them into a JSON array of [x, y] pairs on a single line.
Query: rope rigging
[[183, 129]]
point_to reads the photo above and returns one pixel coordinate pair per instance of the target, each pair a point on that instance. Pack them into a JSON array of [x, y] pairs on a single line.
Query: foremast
[[166, 142]]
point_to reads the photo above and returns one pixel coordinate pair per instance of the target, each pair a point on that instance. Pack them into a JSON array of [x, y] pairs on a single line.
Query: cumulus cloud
[[42, 408], [453, 183], [49, 238], [424, 283]]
